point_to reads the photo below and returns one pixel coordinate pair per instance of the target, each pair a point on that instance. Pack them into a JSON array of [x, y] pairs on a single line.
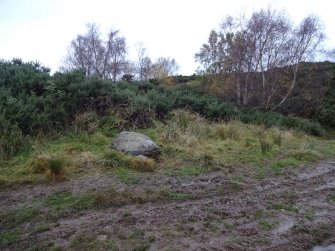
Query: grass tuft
[[115, 159], [56, 169], [287, 207], [277, 138], [266, 225], [41, 163], [138, 164], [87, 121], [266, 146]]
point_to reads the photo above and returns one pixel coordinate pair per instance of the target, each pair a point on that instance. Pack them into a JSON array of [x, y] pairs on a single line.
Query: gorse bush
[[11, 139], [270, 119], [87, 121], [326, 112], [32, 102]]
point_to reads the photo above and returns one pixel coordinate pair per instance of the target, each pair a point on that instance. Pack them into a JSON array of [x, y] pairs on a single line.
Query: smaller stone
[[141, 157], [102, 238]]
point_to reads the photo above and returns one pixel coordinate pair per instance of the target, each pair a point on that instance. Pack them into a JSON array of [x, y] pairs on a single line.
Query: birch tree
[[261, 54], [96, 56]]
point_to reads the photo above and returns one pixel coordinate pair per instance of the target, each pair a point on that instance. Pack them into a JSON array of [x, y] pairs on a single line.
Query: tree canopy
[[98, 57], [260, 55]]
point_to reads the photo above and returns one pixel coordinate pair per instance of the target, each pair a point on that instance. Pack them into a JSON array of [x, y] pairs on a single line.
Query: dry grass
[[139, 164], [56, 169], [187, 140], [40, 163], [233, 144]]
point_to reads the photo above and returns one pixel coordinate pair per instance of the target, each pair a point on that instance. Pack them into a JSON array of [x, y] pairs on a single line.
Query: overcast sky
[[41, 30]]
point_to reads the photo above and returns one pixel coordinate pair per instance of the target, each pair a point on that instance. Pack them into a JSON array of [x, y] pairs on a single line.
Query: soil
[[291, 211]]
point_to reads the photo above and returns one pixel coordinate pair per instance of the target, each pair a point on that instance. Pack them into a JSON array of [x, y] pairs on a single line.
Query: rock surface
[[102, 238], [135, 144]]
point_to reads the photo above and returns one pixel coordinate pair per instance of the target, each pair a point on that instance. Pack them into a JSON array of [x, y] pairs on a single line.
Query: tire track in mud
[[241, 216]]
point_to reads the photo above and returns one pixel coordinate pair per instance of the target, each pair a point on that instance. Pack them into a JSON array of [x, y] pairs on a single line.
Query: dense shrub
[[33, 101], [11, 139], [180, 79], [326, 111], [27, 99], [270, 119]]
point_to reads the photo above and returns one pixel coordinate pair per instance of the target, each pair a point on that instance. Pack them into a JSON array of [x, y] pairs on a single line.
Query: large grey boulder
[[135, 144]]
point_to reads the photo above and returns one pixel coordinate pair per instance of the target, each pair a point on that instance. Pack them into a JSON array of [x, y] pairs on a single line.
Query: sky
[[42, 30]]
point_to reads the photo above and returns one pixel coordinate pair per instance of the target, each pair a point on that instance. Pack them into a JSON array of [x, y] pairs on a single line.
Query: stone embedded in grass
[[135, 144], [141, 157], [102, 238]]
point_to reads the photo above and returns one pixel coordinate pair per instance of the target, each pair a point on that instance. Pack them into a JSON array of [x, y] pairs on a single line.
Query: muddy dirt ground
[[291, 211]]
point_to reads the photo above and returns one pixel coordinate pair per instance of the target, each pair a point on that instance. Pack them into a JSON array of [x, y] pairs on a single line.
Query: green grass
[[9, 237], [332, 197], [287, 207], [41, 228], [115, 159], [277, 138], [64, 200], [16, 217], [74, 149], [279, 165], [190, 145], [186, 170], [261, 173], [56, 168], [171, 195], [64, 203], [265, 225], [142, 247], [220, 190], [126, 175], [150, 132], [307, 155]]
